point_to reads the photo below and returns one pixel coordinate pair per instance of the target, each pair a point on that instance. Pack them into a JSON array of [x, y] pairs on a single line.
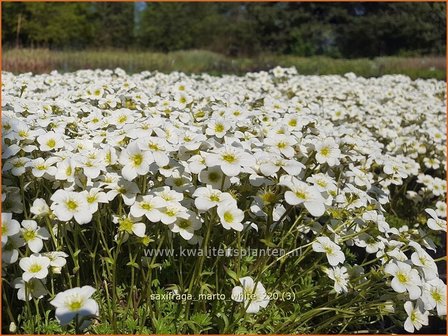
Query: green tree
[[113, 24], [57, 25]]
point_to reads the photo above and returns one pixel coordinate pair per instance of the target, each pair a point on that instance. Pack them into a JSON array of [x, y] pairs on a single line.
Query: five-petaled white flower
[[69, 204], [300, 192], [405, 279], [333, 251], [10, 227], [75, 303], [252, 294], [416, 317], [230, 216], [34, 266], [34, 235]]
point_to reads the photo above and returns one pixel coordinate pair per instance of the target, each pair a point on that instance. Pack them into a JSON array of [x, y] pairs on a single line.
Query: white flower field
[[143, 203]]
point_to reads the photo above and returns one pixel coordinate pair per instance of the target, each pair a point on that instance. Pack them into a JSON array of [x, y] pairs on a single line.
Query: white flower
[[422, 259], [148, 206], [441, 209], [271, 164], [158, 148], [34, 235], [435, 223], [327, 151], [69, 204], [230, 216], [128, 225], [171, 212], [207, 198], [75, 302], [340, 277], [127, 189], [253, 296], [434, 296], [57, 260], [40, 208], [186, 226], [10, 227], [280, 143], [66, 170], [300, 192], [405, 279], [34, 288], [416, 317], [50, 141], [34, 266], [333, 251], [168, 195], [432, 163], [94, 196], [135, 161], [40, 167], [217, 127], [10, 251], [230, 159]]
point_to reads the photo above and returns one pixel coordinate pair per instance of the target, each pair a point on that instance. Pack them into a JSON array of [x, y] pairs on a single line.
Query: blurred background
[[369, 39]]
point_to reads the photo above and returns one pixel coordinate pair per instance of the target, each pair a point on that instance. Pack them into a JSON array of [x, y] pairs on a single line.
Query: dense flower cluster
[[328, 157]]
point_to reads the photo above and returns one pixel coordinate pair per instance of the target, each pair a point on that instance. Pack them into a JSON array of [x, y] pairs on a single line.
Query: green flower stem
[[53, 237], [198, 265], [114, 282]]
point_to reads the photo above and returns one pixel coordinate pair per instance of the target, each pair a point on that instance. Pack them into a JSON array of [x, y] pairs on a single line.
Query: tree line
[[333, 29]]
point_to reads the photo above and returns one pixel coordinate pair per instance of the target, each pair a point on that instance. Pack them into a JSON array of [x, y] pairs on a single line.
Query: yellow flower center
[[214, 197], [126, 225], [328, 250], [75, 305], [228, 216], [230, 158], [146, 206], [170, 212], [71, 205], [325, 151], [322, 183], [154, 147], [281, 144], [219, 128], [300, 194], [436, 296], [402, 277], [137, 159], [29, 235], [35, 268], [51, 143], [183, 223], [23, 134]]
